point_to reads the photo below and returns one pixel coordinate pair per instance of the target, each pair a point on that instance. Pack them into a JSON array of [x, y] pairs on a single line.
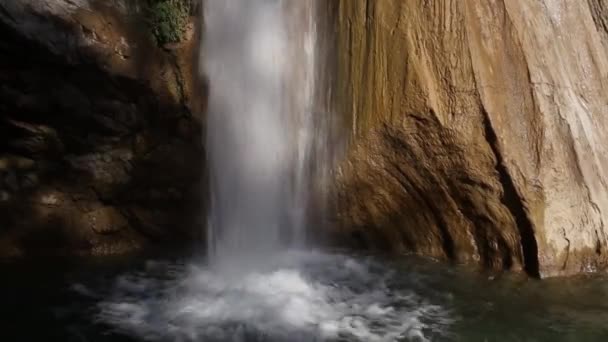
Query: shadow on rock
[[102, 149]]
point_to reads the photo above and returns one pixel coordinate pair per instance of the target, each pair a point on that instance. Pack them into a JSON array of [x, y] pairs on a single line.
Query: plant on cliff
[[168, 19]]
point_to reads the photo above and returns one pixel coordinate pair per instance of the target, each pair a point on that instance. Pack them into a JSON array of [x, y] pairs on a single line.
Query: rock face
[[479, 130], [101, 149]]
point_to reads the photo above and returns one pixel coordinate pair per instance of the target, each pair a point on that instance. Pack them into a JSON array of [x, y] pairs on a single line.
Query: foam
[[302, 297]]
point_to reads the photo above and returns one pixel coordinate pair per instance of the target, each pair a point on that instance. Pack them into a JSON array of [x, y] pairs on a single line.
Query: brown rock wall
[[478, 130]]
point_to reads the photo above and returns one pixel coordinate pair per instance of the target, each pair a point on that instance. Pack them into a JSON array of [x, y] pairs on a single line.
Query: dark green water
[[304, 296]]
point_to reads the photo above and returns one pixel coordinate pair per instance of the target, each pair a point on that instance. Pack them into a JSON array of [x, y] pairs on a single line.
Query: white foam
[[304, 297]]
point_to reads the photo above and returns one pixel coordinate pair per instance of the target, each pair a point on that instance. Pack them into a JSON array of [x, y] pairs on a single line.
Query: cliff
[[478, 130], [101, 150]]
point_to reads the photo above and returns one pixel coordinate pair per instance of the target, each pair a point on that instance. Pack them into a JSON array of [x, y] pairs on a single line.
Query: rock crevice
[[512, 200]]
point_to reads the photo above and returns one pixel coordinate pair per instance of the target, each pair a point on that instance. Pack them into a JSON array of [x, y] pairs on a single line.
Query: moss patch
[[168, 19]]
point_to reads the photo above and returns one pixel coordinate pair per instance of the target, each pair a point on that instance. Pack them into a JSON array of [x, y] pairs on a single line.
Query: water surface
[[301, 296]]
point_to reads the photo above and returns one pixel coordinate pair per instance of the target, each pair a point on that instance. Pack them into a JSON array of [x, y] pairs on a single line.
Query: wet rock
[[141, 144], [156, 195], [12, 162], [11, 181], [151, 222], [186, 129], [36, 144], [30, 180], [4, 196], [50, 199], [122, 246], [105, 220], [175, 194]]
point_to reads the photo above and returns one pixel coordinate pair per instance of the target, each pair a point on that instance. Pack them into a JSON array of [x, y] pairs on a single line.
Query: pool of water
[[299, 296]]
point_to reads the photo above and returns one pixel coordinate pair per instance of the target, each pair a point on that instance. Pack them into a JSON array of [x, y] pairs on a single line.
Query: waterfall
[[259, 58]]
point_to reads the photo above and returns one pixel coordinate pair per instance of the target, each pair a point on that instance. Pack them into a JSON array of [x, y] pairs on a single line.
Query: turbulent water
[[303, 296]]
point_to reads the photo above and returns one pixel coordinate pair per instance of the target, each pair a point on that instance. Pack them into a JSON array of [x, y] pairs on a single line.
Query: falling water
[[268, 146], [259, 59]]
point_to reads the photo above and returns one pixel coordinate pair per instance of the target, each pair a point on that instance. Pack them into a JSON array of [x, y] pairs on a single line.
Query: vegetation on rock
[[168, 19]]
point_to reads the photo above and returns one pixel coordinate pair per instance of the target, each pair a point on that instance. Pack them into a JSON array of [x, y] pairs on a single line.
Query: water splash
[[303, 296], [259, 58]]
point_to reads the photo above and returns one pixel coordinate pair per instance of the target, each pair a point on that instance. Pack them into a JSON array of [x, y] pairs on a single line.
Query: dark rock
[[11, 181], [51, 198], [30, 180], [88, 110], [4, 196], [105, 220]]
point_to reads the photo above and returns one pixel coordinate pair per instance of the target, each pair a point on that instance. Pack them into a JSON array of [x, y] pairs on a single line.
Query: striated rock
[[478, 130]]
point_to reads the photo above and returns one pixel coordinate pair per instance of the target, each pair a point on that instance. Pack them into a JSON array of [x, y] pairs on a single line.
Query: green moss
[[168, 19]]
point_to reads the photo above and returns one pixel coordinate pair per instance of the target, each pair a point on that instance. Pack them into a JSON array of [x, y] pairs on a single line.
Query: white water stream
[[264, 142], [259, 59]]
